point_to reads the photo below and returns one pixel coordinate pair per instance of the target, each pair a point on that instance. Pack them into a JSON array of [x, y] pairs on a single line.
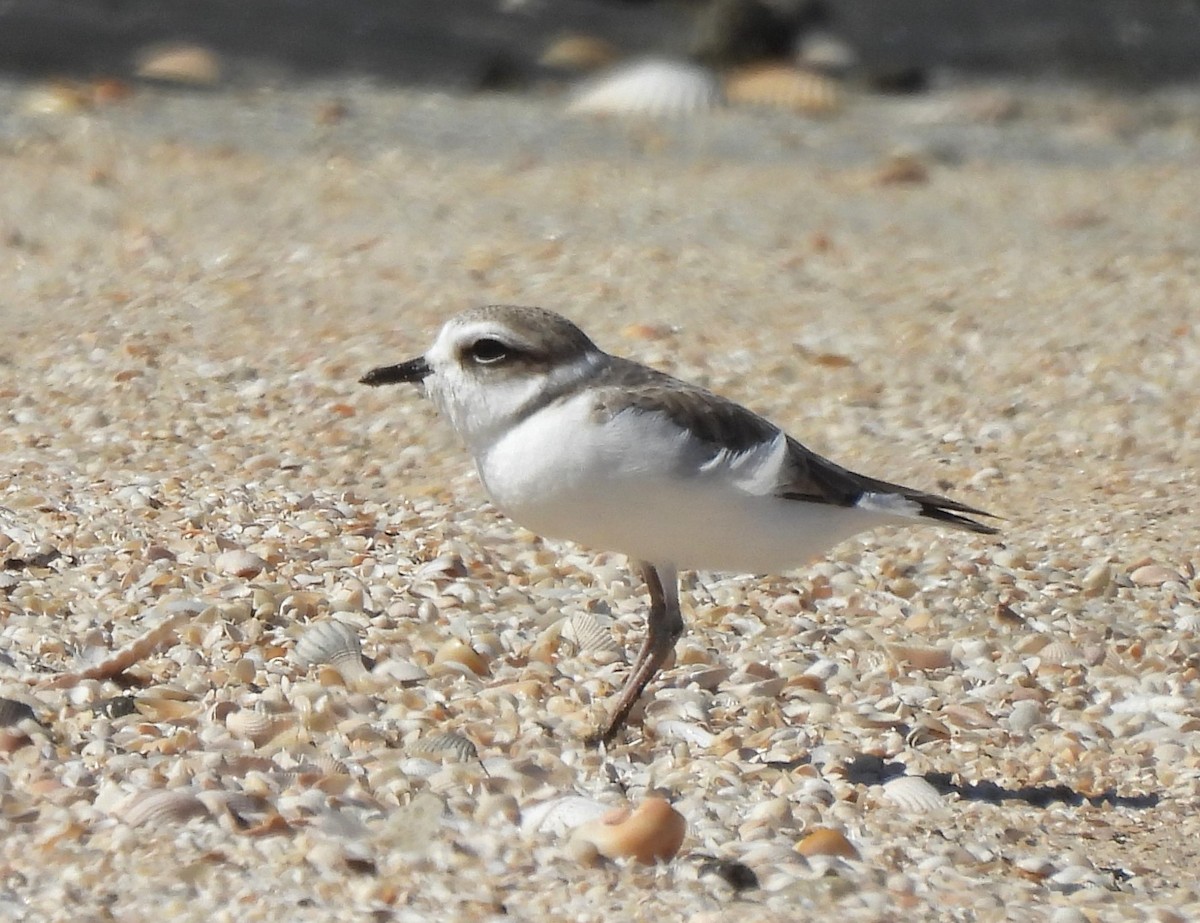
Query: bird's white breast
[[638, 484]]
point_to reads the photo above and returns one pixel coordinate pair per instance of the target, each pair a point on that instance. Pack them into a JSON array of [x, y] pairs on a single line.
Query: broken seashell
[[687, 731], [458, 651], [920, 657], [706, 677], [578, 53], [1153, 575], [446, 746], [166, 632], [179, 63], [823, 841], [652, 832], [239, 563], [399, 672], [656, 88], [334, 643], [443, 567], [914, 794], [559, 815], [158, 707], [1098, 580], [543, 648], [159, 806]]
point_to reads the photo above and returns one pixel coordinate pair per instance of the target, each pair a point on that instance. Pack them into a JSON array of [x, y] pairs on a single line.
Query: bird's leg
[[664, 625]]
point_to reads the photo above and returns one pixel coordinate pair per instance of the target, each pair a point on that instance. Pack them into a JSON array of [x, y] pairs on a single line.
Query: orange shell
[[825, 842], [652, 832]]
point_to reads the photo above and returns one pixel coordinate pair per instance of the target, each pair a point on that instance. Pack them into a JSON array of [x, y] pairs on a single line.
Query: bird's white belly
[[634, 485]]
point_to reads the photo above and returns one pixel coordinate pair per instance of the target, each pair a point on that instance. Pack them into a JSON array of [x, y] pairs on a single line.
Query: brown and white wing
[[727, 427]]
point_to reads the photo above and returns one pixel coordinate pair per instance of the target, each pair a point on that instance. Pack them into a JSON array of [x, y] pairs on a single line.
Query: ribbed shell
[[446, 745], [784, 88], [335, 643], [585, 633], [158, 807], [655, 88], [913, 794]]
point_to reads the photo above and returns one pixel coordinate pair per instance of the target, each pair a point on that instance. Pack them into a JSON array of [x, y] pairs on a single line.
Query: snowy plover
[[574, 443]]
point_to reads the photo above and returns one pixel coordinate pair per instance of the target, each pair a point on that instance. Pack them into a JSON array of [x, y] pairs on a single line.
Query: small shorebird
[[575, 443]]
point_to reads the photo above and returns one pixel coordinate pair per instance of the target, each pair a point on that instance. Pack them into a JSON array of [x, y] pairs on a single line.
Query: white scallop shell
[[335, 643], [1060, 653], [656, 87], [159, 806], [253, 725], [585, 633], [913, 794]]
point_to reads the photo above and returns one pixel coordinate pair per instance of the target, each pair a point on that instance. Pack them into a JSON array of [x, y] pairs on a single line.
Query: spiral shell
[[655, 88], [334, 643]]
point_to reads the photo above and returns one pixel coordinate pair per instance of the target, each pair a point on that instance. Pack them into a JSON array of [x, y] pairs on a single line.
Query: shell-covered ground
[[993, 294]]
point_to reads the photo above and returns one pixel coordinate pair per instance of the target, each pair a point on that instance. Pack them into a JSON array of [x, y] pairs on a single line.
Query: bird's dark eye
[[488, 351]]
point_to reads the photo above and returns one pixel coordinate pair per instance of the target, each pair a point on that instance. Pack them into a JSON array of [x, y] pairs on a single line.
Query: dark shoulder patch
[[626, 386]]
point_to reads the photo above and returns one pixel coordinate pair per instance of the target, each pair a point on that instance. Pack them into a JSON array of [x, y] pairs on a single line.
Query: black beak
[[414, 370]]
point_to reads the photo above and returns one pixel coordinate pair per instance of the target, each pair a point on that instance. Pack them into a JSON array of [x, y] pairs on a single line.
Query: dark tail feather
[[943, 509]]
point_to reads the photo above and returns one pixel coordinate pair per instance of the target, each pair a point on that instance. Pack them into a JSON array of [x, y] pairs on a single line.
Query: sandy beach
[[988, 291]]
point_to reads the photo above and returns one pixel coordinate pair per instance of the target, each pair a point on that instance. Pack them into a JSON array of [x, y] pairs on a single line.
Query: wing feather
[[625, 386]]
